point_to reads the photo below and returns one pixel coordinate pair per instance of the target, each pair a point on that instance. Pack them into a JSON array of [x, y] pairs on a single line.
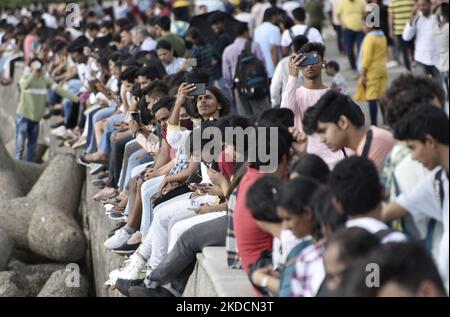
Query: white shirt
[[175, 66], [441, 34], [120, 11], [373, 226], [267, 35], [300, 29], [149, 44], [423, 202], [279, 81], [282, 246], [50, 21], [425, 43]]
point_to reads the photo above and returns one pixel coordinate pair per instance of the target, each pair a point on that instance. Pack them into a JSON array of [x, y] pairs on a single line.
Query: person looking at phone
[[310, 61], [172, 64]]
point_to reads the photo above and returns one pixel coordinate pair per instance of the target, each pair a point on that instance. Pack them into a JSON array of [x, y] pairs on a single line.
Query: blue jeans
[[97, 116], [105, 142], [350, 39], [26, 130]]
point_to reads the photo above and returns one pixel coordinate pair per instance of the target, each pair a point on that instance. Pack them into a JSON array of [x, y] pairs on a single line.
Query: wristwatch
[[265, 281]]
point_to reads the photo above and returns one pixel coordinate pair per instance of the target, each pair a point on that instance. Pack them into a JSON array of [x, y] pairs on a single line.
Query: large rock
[[35, 275], [60, 284], [43, 222], [6, 249], [13, 285]]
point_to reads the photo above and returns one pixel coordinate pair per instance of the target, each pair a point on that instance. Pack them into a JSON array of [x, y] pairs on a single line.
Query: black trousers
[[116, 159]]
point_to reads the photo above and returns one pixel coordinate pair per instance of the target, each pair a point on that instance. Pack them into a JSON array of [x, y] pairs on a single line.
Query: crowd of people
[[140, 84]]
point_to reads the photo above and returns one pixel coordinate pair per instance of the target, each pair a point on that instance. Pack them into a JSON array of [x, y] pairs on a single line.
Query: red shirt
[[251, 240]]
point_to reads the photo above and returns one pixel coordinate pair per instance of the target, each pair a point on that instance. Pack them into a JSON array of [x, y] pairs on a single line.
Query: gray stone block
[[6, 249], [13, 285], [59, 285]]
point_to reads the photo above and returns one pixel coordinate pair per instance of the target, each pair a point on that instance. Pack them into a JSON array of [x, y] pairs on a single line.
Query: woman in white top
[[171, 63]]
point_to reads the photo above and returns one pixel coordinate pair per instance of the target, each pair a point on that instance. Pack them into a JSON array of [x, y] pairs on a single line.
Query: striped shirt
[[233, 259], [401, 10]]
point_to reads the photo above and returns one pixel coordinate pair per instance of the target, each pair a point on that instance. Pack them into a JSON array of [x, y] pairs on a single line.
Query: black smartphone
[[311, 59], [136, 116], [200, 89]]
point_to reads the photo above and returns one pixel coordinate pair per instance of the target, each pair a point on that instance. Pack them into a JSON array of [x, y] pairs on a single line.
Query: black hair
[[329, 108], [242, 28], [296, 195], [156, 88], [216, 17], [299, 14], [311, 166], [270, 13], [298, 42], [355, 184], [325, 213], [221, 99], [58, 46], [129, 74], [262, 199], [265, 136], [236, 121], [277, 116], [149, 72], [353, 243], [107, 24], [406, 92], [334, 65], [407, 264], [313, 47], [197, 76], [199, 134], [444, 9], [136, 91], [163, 23], [196, 36], [92, 26], [165, 102], [422, 121], [163, 44]]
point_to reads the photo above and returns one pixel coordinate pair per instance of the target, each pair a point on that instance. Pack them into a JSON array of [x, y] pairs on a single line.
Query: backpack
[[305, 34], [250, 80]]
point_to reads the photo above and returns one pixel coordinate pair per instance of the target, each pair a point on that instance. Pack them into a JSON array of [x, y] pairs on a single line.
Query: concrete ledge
[[212, 277]]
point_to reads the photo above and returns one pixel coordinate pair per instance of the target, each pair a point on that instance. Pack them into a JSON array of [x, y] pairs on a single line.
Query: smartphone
[[200, 185], [311, 59], [200, 89], [192, 62], [136, 116]]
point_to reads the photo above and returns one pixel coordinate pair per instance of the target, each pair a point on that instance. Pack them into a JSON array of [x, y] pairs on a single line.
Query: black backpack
[[250, 79]]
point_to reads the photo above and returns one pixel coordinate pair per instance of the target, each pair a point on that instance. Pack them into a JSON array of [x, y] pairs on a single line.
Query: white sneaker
[[392, 64], [117, 240], [134, 270]]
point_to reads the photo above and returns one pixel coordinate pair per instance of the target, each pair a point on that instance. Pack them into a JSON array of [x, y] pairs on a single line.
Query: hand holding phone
[[200, 89]]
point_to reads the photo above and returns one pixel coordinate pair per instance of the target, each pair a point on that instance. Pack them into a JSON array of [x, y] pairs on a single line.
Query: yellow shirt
[[181, 3], [352, 14]]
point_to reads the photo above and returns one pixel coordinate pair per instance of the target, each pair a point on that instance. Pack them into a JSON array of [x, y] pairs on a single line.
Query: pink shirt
[[299, 100], [28, 46], [381, 146]]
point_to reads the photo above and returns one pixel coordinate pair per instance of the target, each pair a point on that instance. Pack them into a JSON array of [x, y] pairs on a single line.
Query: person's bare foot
[[105, 193], [96, 157]]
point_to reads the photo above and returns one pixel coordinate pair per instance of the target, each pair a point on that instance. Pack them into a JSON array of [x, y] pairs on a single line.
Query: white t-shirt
[[300, 29], [423, 202], [50, 21], [373, 226], [149, 44], [267, 35], [282, 246], [175, 66]]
